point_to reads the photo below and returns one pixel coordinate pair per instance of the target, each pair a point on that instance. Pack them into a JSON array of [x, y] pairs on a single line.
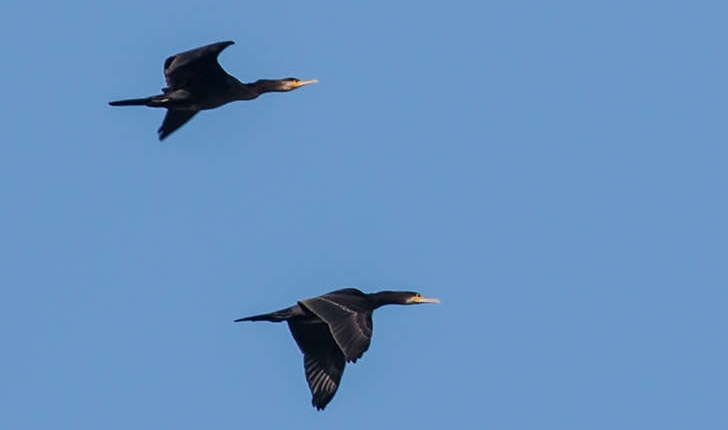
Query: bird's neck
[[267, 86], [385, 298], [254, 89], [241, 91]]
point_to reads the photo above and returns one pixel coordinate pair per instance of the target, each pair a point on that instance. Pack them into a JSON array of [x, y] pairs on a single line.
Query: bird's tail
[[276, 316], [153, 101], [132, 102]]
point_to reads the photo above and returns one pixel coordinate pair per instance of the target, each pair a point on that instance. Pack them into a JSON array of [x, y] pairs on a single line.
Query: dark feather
[[349, 320], [323, 362], [173, 120], [196, 65]]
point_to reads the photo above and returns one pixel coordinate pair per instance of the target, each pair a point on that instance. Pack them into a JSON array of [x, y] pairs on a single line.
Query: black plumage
[[196, 81], [333, 329]]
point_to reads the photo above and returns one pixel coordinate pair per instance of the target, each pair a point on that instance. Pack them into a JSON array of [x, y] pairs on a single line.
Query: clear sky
[[555, 172]]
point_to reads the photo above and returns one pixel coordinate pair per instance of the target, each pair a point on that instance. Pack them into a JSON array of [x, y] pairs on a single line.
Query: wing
[[186, 68], [351, 328], [173, 120], [323, 361]]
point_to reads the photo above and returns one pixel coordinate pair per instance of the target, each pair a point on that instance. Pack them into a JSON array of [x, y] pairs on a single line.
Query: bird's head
[[401, 298], [413, 298], [273, 85], [289, 84]]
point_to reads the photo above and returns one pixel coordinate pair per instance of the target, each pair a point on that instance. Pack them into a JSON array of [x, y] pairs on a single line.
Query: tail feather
[[160, 100], [277, 316], [132, 102]]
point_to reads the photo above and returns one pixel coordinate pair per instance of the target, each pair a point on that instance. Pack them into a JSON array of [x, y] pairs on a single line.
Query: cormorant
[[196, 81], [333, 329]]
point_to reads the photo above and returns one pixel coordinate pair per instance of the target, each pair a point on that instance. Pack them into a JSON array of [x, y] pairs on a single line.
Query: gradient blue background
[[555, 173]]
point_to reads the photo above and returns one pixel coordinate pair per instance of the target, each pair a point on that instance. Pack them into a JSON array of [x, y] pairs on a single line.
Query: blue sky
[[555, 173]]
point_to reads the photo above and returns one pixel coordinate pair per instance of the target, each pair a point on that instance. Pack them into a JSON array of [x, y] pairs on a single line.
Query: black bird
[[332, 329], [196, 81]]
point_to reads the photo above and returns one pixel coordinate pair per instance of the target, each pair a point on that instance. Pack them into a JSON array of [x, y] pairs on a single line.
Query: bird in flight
[[196, 81], [333, 329]]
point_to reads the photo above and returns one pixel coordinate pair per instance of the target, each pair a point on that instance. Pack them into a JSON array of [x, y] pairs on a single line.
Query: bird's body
[[333, 329], [196, 81]]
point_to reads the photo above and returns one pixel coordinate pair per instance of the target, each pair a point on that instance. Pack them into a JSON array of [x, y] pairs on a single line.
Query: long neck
[[252, 90], [267, 86], [386, 298]]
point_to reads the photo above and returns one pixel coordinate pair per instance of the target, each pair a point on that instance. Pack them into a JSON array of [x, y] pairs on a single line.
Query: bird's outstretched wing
[[350, 325], [323, 361], [186, 68], [173, 120]]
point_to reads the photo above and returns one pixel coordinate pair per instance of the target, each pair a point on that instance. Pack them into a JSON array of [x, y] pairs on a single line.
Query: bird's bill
[[420, 299], [298, 84]]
